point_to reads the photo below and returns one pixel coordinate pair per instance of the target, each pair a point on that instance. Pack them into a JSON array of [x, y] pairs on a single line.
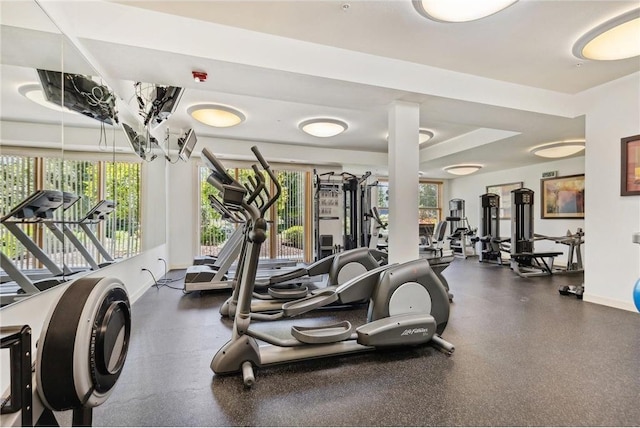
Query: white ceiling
[[528, 43], [527, 88]]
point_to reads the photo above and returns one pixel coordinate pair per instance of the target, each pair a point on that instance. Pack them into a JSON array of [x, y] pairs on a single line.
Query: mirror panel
[[74, 143], [30, 136]]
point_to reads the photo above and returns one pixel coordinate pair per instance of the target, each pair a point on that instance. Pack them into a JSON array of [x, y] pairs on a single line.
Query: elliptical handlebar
[[376, 216], [221, 180], [255, 186], [265, 165], [258, 156], [261, 179]]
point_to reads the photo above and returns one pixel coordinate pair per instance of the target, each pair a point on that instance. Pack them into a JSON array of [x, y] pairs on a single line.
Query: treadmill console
[[100, 211]]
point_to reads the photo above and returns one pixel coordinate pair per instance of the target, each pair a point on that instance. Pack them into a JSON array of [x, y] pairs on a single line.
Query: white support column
[[404, 121]]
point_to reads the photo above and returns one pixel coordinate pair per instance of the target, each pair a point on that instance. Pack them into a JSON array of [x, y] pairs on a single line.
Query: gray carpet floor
[[525, 356]]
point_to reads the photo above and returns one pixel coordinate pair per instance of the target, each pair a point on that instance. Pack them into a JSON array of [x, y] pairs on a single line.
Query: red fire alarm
[[199, 76]]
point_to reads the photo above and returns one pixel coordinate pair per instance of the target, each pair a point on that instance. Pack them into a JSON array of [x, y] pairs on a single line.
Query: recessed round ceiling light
[[618, 38], [424, 135], [465, 169], [322, 127], [459, 10], [216, 115], [558, 149], [33, 91]]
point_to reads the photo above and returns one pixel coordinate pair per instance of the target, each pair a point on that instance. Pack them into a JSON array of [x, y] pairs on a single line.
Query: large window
[[290, 216], [429, 204], [286, 218], [92, 181], [214, 230], [122, 228], [17, 178]]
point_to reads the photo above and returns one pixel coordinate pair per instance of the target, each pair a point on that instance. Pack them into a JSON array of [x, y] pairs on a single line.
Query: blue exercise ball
[[636, 295]]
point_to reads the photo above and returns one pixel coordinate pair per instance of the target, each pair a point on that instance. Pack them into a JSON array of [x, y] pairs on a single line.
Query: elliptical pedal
[[323, 334], [288, 293]]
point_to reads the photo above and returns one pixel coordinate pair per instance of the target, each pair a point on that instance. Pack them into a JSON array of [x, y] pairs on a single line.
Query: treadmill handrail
[[223, 210]]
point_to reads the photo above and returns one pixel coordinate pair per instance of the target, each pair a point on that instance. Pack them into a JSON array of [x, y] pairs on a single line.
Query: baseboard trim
[[606, 301], [139, 292], [180, 266]]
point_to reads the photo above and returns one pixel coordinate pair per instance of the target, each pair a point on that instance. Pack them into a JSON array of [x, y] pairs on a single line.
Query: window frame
[[270, 247], [39, 178]]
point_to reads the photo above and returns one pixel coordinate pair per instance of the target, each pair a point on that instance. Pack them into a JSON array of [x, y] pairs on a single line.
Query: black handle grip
[[211, 179], [272, 176], [252, 185], [255, 188], [258, 155]]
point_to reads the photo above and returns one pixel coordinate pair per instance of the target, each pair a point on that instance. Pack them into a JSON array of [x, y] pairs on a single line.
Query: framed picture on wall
[[504, 191], [562, 197], [630, 168]]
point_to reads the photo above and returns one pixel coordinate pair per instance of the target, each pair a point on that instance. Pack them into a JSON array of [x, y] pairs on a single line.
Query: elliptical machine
[[408, 305], [336, 268]]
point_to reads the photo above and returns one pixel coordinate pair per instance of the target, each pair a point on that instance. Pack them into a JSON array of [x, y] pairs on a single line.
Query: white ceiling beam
[[139, 27], [470, 140], [287, 153]]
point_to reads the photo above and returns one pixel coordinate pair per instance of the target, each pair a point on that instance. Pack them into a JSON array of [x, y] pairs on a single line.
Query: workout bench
[[528, 264]]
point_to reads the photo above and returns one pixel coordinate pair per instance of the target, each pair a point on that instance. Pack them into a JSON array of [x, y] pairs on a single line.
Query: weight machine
[[357, 218], [524, 260], [345, 219], [491, 244], [574, 256], [461, 238]]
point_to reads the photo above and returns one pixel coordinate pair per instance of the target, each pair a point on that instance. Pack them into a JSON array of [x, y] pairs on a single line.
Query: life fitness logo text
[[410, 331]]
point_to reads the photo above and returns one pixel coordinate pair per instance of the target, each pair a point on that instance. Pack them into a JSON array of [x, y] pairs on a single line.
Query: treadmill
[[219, 274], [38, 206], [233, 241], [69, 200], [95, 215]]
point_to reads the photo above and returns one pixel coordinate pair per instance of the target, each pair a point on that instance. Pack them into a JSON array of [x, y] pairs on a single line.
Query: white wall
[[614, 261], [183, 219], [153, 203], [471, 187]]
